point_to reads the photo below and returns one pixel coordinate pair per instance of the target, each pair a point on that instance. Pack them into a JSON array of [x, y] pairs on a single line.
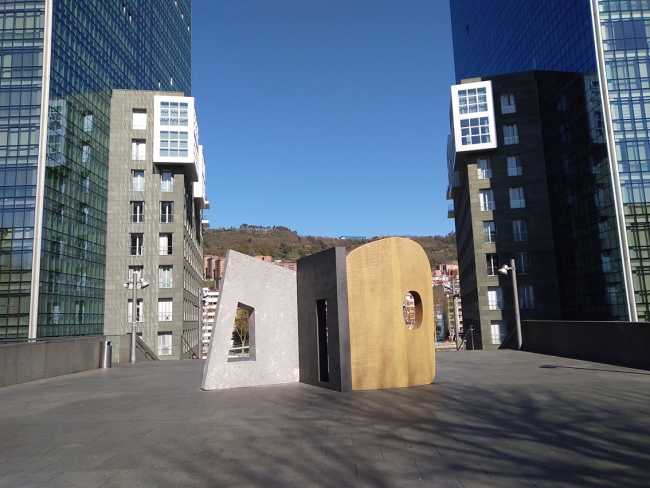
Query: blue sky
[[328, 117]]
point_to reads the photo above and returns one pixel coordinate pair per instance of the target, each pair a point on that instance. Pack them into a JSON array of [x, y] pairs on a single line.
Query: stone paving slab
[[491, 419]]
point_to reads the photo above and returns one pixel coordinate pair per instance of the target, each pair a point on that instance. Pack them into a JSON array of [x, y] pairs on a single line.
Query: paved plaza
[[494, 419]]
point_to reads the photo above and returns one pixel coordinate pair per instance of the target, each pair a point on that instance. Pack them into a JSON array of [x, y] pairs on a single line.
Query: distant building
[[266, 259], [286, 265], [210, 300], [213, 267], [283, 264]]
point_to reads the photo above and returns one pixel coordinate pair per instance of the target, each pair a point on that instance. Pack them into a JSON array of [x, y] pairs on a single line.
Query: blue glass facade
[[54, 183], [556, 39]]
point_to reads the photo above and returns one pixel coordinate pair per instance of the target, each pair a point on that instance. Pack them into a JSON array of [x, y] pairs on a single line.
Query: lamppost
[[133, 282], [513, 272], [455, 296]]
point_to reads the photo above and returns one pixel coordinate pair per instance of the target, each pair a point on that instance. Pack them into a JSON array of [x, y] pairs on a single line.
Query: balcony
[[137, 218], [165, 283], [450, 211], [137, 186], [166, 218], [164, 317], [166, 186], [136, 250], [165, 250]]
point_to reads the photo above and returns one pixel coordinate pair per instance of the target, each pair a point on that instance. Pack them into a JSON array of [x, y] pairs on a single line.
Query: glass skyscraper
[[592, 59], [60, 60]]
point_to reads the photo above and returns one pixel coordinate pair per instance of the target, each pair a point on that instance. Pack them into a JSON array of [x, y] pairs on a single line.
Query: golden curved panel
[[384, 352]]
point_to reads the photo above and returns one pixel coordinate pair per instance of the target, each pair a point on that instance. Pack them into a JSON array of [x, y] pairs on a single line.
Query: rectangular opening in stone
[[323, 341], [242, 344]]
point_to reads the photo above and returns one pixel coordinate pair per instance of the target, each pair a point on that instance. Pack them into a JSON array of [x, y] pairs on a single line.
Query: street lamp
[[133, 282], [504, 271]]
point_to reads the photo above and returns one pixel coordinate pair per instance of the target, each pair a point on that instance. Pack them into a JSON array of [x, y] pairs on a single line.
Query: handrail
[[188, 344], [145, 350], [20, 340], [464, 341], [508, 337]]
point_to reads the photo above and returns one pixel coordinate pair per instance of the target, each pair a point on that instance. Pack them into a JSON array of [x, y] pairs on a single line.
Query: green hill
[[285, 244]]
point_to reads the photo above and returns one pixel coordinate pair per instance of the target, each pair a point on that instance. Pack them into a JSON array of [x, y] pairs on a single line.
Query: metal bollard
[[106, 355]]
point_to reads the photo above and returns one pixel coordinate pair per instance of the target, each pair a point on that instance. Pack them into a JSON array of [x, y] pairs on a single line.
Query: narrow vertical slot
[[323, 341]]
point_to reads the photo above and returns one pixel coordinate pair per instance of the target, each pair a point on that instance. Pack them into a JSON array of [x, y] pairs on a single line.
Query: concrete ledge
[[620, 343], [31, 361]]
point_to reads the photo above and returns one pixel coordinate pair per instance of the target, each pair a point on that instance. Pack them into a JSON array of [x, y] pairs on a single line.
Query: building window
[[166, 181], [526, 296], [517, 198], [138, 149], [472, 100], [498, 331], [475, 131], [87, 125], [522, 263], [174, 114], [137, 212], [85, 154], [599, 197], [520, 230], [607, 262], [137, 244], [510, 134], [137, 180], [484, 168], [508, 104], [569, 167], [611, 295], [164, 343], [173, 144], [165, 276], [139, 311], [492, 264], [165, 244], [490, 231], [514, 166], [166, 212], [138, 271], [164, 310], [79, 312], [487, 200], [85, 183], [495, 298], [139, 119]]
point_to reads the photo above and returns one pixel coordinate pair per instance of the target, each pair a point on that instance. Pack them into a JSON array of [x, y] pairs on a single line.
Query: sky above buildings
[[328, 117]]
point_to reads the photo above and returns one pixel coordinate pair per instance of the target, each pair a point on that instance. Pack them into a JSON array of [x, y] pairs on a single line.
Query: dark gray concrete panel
[[622, 343], [32, 361], [323, 276]]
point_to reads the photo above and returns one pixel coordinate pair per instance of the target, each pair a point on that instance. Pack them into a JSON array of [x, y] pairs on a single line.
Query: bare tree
[[240, 329]]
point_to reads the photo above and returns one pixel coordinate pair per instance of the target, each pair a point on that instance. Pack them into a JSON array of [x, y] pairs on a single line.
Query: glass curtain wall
[[96, 46], [625, 31], [555, 38], [21, 56]]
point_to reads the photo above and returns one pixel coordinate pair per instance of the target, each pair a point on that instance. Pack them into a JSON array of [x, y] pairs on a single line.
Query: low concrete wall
[[31, 361], [621, 343]]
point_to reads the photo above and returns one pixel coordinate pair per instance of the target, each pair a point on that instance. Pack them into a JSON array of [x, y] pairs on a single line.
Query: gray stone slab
[[270, 293]]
